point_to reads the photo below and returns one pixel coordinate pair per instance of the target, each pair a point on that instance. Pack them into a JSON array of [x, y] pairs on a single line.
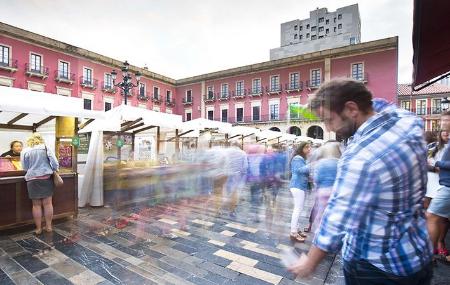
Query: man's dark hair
[[335, 93]]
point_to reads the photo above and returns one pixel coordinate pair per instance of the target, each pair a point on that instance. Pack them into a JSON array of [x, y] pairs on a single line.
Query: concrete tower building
[[323, 30]]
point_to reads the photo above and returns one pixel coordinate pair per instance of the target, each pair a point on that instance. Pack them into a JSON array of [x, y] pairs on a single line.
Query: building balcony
[[156, 98], [224, 96], [107, 87], [425, 111], [293, 88], [363, 77], [36, 71], [210, 98], [142, 96], [268, 118], [313, 84], [436, 111], [239, 94], [273, 90], [89, 83], [170, 102], [10, 65], [64, 77], [187, 101], [256, 92]]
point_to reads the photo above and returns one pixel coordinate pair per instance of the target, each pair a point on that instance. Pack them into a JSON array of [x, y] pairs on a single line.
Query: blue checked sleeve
[[353, 191]]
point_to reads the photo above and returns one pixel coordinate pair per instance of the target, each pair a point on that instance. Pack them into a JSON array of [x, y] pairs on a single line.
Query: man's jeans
[[363, 273]]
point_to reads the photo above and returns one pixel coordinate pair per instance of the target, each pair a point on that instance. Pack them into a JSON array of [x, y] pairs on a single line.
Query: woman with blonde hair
[[40, 163]]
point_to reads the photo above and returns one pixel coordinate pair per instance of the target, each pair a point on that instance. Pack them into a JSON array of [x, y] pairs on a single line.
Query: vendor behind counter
[[11, 158], [15, 149]]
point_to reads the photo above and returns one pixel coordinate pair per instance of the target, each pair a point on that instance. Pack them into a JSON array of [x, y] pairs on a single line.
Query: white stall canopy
[[27, 110], [128, 118]]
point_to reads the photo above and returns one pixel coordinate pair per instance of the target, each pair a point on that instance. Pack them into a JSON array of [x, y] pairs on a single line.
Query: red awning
[[431, 41]]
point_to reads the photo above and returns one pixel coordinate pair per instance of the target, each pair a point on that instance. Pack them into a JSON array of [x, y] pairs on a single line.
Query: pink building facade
[[257, 95]]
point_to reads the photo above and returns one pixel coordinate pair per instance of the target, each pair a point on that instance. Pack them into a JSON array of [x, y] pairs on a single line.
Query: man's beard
[[348, 128]]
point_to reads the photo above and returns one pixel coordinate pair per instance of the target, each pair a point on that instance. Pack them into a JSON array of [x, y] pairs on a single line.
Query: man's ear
[[351, 109]]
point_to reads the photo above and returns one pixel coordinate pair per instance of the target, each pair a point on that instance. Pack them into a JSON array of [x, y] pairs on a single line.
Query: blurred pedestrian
[[298, 187]]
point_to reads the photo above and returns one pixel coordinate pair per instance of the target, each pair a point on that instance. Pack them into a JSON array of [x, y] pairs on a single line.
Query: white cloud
[[181, 38]]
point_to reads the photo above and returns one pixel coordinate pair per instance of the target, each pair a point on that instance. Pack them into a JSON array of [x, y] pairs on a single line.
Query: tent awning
[[25, 109], [133, 119], [431, 42]]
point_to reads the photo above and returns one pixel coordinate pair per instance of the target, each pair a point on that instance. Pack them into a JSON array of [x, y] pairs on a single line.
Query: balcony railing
[[436, 110], [363, 77], [10, 65], [142, 96], [156, 98], [292, 88], [313, 84], [187, 101], [255, 92], [274, 90], [88, 82], [239, 93], [210, 98], [170, 102], [107, 87], [224, 96], [64, 77], [36, 71]]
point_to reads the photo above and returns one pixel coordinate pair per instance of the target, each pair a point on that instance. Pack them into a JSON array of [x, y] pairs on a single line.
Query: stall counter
[[16, 206]]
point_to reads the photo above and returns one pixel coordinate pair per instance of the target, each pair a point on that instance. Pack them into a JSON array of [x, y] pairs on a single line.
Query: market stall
[[23, 112], [129, 151]]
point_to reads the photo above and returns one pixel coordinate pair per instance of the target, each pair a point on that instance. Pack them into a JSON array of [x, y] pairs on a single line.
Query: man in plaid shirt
[[375, 213]]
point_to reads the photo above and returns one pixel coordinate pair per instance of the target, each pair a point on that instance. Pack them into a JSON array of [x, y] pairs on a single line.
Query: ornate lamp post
[[445, 104], [126, 85]]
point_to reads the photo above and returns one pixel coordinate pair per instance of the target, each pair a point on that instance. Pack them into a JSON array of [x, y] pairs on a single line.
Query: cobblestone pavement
[[209, 247]]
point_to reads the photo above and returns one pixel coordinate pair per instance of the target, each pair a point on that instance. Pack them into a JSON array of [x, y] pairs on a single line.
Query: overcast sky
[[182, 38]]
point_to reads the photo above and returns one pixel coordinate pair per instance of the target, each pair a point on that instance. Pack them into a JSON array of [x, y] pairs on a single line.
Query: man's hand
[[303, 267]]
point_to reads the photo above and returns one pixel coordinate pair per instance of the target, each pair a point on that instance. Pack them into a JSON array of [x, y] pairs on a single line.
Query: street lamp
[[126, 85], [445, 104]]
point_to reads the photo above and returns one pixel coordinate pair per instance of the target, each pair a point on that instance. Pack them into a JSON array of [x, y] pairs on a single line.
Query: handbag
[[57, 180]]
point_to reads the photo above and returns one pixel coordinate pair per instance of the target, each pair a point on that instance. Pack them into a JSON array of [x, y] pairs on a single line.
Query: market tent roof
[[204, 124], [243, 131], [431, 41], [22, 108], [129, 118], [289, 137], [269, 135]]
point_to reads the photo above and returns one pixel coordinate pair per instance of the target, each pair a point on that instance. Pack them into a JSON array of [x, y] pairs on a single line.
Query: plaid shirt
[[375, 212]]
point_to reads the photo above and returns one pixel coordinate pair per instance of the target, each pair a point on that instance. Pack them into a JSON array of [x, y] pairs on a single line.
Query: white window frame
[[60, 61], [170, 95], [237, 106], [242, 89], [273, 88], [208, 89], [291, 87], [228, 113], [158, 93], [224, 90], [417, 108], [9, 58], [255, 104], [254, 91], [362, 71], [311, 77], [41, 66], [145, 88], [108, 100], [210, 109], [85, 77], [186, 97], [105, 76]]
